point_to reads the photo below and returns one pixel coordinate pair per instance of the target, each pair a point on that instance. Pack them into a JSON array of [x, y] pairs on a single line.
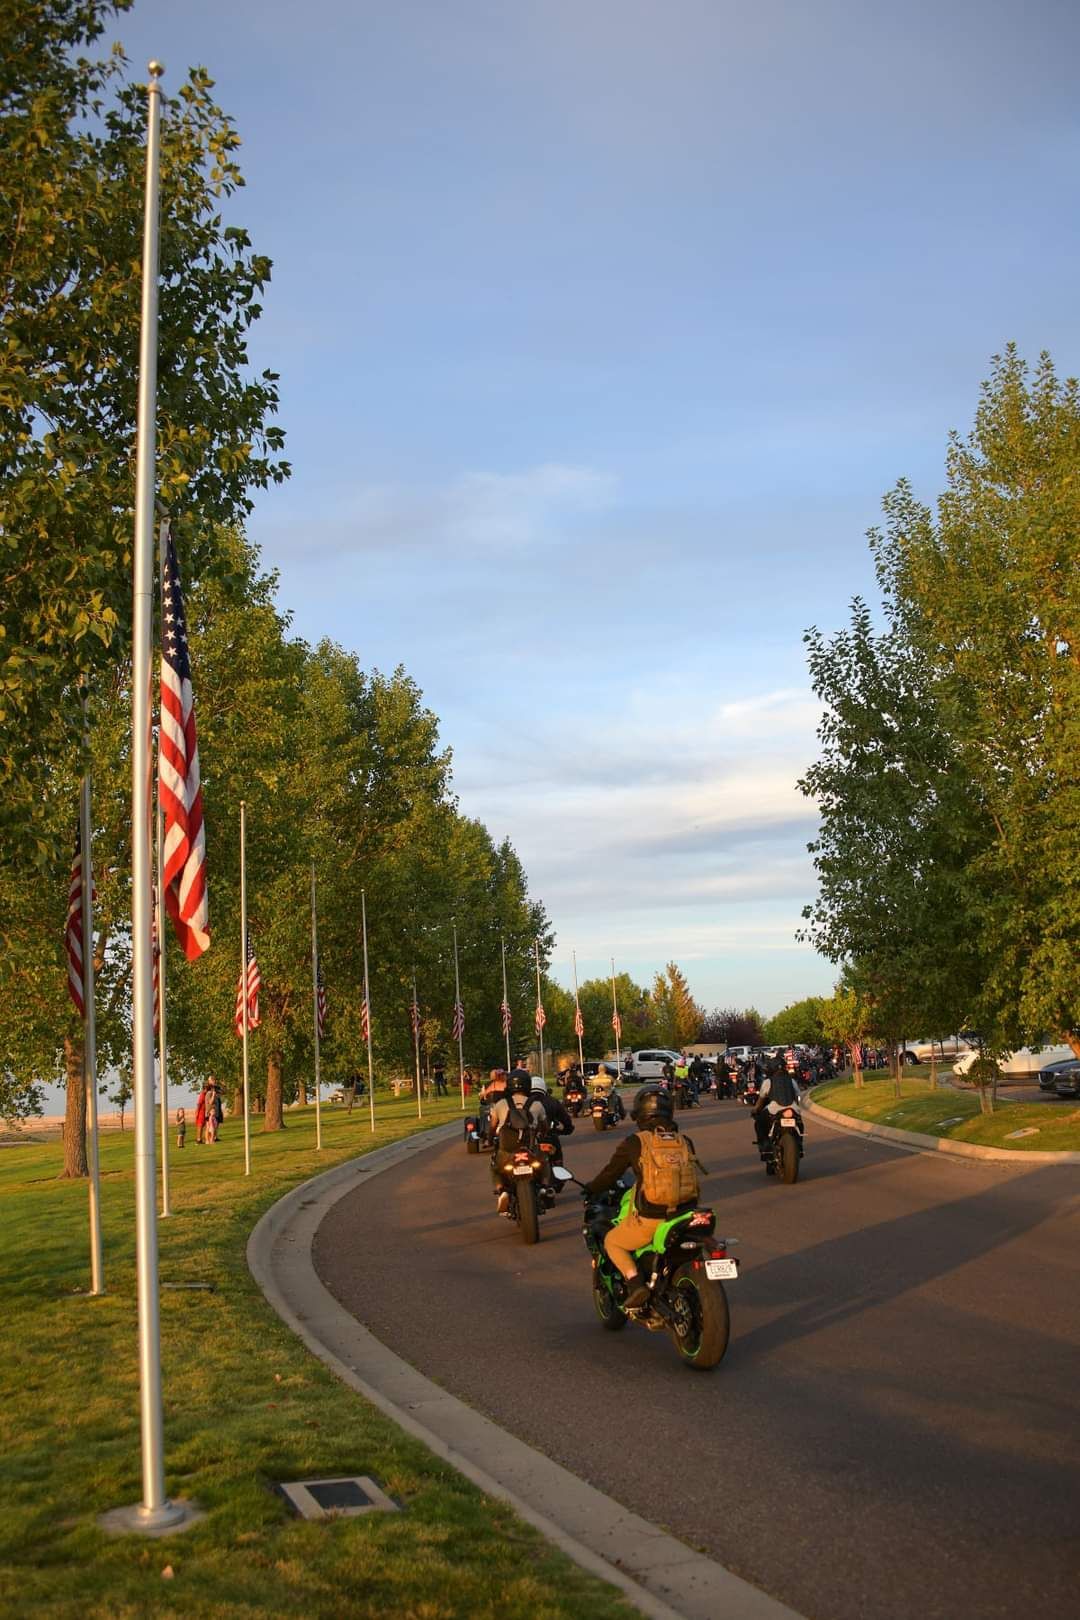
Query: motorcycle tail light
[[547, 1147], [521, 1158], [717, 1254], [789, 1113]]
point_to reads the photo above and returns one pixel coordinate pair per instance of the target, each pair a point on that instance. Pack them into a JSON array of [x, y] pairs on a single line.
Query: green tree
[[72, 159], [846, 1021], [798, 1023], [676, 1015]]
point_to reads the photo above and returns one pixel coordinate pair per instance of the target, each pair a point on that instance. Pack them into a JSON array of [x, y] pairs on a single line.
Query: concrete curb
[[662, 1577], [915, 1142]]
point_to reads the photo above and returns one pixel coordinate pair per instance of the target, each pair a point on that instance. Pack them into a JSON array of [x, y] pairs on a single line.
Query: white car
[[922, 1050], [649, 1065], [1017, 1064]]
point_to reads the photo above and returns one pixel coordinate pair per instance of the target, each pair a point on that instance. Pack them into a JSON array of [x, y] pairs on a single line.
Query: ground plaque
[[344, 1497]]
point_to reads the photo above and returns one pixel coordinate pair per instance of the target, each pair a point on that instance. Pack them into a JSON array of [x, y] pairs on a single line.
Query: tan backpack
[[668, 1170]]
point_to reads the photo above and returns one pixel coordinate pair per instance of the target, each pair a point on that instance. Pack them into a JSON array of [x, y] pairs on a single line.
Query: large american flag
[[414, 1017], [459, 1021], [541, 1016], [616, 1024], [73, 930], [579, 1022], [247, 994], [365, 1020], [506, 1020], [179, 789], [320, 1003]]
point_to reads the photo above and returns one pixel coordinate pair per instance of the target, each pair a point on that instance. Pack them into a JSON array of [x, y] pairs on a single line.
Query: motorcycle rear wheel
[[606, 1309], [472, 1144], [789, 1158], [598, 1122], [703, 1305], [528, 1214]]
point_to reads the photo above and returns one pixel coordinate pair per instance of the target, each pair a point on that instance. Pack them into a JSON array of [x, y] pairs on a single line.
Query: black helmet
[[776, 1067], [651, 1103]]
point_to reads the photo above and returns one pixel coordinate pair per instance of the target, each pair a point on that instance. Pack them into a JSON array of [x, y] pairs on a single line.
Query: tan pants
[[626, 1236]]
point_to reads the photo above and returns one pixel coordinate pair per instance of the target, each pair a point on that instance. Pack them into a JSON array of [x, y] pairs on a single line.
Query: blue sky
[[602, 328]]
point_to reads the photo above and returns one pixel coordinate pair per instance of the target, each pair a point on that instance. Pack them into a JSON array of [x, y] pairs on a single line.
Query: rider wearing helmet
[[513, 1112], [557, 1116], [779, 1089], [653, 1110]]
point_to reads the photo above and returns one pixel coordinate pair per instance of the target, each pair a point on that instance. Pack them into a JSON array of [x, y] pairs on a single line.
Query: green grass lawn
[[245, 1406], [955, 1114]]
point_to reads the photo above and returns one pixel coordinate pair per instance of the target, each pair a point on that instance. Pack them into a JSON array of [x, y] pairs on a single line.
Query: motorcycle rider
[[777, 1091], [653, 1110], [514, 1111], [559, 1121]]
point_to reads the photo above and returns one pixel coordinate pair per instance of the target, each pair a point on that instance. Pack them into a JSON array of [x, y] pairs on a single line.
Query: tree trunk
[[301, 1093], [274, 1119], [896, 1059], [75, 1163]]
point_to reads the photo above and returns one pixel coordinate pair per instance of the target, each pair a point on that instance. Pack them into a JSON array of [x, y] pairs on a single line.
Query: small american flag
[[248, 998], [73, 929], [616, 1024], [506, 1020], [414, 1017], [179, 786], [365, 1020], [579, 1022], [541, 1016], [459, 1021], [320, 1003]]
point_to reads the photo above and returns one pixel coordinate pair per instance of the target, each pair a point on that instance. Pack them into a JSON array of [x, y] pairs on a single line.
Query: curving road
[[895, 1431]]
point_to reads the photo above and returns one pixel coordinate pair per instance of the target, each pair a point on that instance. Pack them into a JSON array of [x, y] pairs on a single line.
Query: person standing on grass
[[200, 1113], [438, 1074], [181, 1127], [214, 1112]]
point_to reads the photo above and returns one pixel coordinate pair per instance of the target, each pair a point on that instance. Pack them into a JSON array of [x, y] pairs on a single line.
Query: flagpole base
[[168, 1520]]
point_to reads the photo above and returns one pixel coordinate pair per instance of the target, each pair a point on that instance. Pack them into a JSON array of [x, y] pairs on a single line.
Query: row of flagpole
[[180, 890]]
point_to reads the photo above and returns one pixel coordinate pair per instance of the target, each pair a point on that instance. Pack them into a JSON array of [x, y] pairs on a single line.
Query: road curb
[[661, 1576], [916, 1142]]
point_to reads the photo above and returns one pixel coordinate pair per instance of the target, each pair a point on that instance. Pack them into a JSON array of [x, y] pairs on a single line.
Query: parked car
[[649, 1065], [1067, 1078], [1048, 1074], [922, 1050], [1025, 1062]]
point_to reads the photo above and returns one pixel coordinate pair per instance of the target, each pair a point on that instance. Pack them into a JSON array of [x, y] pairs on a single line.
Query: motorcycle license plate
[[789, 1125], [722, 1270], [523, 1169]]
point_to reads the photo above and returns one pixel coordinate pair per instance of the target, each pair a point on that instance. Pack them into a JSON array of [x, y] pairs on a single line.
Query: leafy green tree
[[798, 1023], [846, 1021], [676, 1015], [72, 159]]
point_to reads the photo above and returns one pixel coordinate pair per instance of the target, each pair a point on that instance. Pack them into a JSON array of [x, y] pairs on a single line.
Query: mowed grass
[[245, 1406], [955, 1114]]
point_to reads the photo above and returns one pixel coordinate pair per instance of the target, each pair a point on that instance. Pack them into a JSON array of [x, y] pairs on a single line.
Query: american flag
[[365, 1019], [179, 788], [414, 1017], [459, 1021], [579, 1022], [616, 1024], [73, 929], [320, 1003], [251, 998], [541, 1016], [506, 1020]]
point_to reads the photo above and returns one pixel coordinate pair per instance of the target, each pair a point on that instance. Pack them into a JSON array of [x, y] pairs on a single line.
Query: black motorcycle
[[685, 1267], [531, 1177], [606, 1109], [575, 1102], [783, 1147]]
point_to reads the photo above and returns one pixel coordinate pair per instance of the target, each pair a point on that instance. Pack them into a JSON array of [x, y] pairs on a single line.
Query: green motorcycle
[[685, 1267]]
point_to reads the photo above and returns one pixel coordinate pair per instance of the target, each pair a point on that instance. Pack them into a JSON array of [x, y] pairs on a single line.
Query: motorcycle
[[575, 1102], [685, 1267], [749, 1093], [531, 1178], [783, 1147], [602, 1110]]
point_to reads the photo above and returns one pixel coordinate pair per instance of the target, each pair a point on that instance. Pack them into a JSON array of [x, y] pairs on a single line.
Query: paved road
[[895, 1431]]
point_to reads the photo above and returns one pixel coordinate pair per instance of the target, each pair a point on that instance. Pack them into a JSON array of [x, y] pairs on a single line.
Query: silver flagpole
[[458, 1019], [506, 1001], [367, 1004], [243, 981], [416, 1043], [163, 535], [315, 1006], [615, 1026], [540, 1031], [577, 1018], [97, 1281], [155, 1511]]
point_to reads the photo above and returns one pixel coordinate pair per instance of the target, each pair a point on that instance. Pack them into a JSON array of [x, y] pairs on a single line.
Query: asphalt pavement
[[895, 1431]]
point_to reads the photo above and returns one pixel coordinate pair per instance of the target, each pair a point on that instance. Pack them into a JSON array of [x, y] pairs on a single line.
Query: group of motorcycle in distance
[[685, 1264]]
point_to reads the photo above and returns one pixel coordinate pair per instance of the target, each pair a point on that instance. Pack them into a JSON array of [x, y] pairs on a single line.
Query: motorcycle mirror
[[561, 1173]]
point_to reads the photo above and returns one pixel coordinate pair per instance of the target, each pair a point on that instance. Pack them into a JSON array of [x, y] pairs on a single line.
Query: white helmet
[[538, 1084]]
